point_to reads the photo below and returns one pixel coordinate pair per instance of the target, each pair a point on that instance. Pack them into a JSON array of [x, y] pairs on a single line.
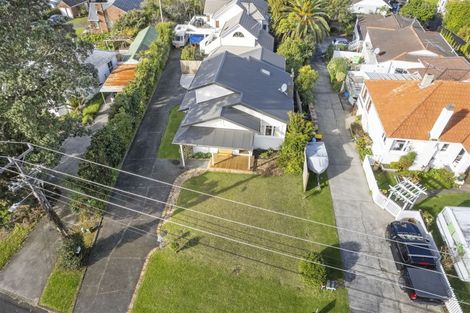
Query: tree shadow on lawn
[[344, 260], [312, 185]]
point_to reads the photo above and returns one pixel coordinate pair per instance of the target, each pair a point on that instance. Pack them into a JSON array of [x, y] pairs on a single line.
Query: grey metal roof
[[258, 53], [128, 5], [72, 3], [188, 100], [241, 118], [265, 40], [212, 6], [209, 110], [214, 137], [256, 6], [258, 82], [99, 57]]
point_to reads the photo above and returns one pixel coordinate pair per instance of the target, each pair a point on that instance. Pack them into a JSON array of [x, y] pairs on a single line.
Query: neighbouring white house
[[235, 105], [454, 226], [428, 117], [370, 6], [104, 62], [394, 44], [242, 23]]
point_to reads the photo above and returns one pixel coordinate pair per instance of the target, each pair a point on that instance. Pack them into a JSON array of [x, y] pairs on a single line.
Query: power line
[[256, 246], [240, 223], [214, 196]]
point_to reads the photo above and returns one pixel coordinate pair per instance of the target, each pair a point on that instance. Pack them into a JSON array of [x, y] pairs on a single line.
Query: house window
[[238, 35], [110, 65], [364, 92], [384, 137], [265, 26], [459, 157], [368, 104], [398, 145], [269, 130], [444, 147]]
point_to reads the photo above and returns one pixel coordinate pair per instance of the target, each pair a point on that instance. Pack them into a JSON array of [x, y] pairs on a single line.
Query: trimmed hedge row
[[109, 145]]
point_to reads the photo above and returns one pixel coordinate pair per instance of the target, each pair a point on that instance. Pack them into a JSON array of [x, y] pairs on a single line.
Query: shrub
[[131, 23], [291, 154], [90, 110], [305, 80], [338, 69], [438, 178], [266, 154], [405, 162], [71, 253], [312, 270], [363, 146], [296, 52], [202, 155], [191, 53], [98, 39]]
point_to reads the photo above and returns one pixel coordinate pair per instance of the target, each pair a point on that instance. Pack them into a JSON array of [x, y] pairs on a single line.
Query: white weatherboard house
[[369, 6], [235, 105], [242, 23], [454, 226], [104, 62], [428, 117], [394, 44]]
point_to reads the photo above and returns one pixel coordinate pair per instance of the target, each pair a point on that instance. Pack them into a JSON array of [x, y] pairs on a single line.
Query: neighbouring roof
[[142, 42], [259, 53], [214, 137], [266, 40], [99, 57], [72, 3], [408, 111], [119, 78], [128, 5], [209, 110], [244, 20], [188, 100], [258, 82], [445, 68], [212, 6]]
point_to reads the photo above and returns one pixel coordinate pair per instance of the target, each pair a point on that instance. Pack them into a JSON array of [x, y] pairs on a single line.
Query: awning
[[119, 78], [195, 39], [214, 137]]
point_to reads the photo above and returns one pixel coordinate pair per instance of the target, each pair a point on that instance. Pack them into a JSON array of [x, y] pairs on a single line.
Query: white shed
[[104, 62]]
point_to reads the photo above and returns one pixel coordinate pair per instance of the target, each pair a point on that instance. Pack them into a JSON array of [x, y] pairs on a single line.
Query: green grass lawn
[[434, 205], [61, 289], [216, 275], [385, 179], [79, 24], [167, 150], [12, 242]]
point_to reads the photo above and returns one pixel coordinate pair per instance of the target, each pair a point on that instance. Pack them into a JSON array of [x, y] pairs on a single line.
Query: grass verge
[[167, 150], [12, 242], [215, 275], [91, 109]]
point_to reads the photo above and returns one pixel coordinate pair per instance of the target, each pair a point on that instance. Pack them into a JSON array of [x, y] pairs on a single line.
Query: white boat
[[317, 157]]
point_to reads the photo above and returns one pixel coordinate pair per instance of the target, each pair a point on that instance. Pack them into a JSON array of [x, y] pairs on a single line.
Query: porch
[[227, 162]]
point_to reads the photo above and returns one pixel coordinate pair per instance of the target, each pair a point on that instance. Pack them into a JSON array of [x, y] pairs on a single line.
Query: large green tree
[[304, 19], [296, 52], [339, 11], [423, 10], [175, 10], [457, 17], [41, 68]]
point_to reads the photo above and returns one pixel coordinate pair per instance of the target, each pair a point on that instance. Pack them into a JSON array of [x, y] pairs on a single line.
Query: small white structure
[[104, 62], [454, 226], [370, 6]]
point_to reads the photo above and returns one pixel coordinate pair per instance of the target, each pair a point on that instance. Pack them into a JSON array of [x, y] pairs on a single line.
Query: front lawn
[[11, 242], [79, 24], [434, 206], [167, 150], [217, 275]]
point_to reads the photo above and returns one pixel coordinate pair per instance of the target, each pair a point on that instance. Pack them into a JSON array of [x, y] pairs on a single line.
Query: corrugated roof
[[241, 118], [128, 5], [119, 78], [188, 100], [214, 137], [142, 42], [408, 111], [212, 6], [209, 110], [258, 53]]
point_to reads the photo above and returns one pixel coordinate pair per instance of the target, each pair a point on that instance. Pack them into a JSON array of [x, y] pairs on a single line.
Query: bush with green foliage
[[191, 53], [363, 144], [72, 252], [438, 178], [98, 39], [423, 10], [312, 269], [299, 133], [201, 155], [91, 109], [405, 162], [338, 69], [266, 154], [130, 24], [457, 18], [305, 80], [296, 52]]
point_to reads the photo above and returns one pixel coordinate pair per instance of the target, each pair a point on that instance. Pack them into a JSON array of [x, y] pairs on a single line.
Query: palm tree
[[305, 19]]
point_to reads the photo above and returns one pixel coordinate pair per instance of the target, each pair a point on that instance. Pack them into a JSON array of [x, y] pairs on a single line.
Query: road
[[355, 210], [10, 305]]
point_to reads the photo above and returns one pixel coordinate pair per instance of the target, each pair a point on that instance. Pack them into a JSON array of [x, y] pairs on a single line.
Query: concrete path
[[355, 210], [124, 240], [10, 305]]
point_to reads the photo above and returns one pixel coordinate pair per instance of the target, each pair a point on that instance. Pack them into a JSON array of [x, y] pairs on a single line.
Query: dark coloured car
[[412, 245], [423, 285]]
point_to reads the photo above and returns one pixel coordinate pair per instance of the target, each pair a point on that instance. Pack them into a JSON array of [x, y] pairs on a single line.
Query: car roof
[[406, 228], [428, 284]]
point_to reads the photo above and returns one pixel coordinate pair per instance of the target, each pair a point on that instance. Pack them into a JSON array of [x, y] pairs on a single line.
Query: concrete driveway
[[355, 210], [124, 241]]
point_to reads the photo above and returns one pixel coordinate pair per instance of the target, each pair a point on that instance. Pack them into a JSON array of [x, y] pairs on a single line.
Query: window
[[110, 65], [238, 35], [265, 26], [368, 104], [444, 147], [398, 145], [459, 157], [364, 92], [269, 130], [384, 137]]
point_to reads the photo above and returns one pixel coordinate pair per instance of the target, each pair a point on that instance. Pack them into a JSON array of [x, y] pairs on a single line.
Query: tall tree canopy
[[304, 19], [339, 11], [176, 10], [423, 10], [457, 17], [41, 67]]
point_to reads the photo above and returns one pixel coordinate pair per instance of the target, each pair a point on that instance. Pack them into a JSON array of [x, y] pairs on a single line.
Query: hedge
[[109, 145]]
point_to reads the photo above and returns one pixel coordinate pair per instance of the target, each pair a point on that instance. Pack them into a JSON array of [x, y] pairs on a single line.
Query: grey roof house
[[235, 105]]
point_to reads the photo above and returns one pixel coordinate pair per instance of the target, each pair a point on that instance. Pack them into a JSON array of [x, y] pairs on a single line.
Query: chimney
[[426, 81], [441, 122]]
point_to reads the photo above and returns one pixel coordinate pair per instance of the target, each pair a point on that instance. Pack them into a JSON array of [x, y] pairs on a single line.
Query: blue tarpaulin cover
[[195, 39]]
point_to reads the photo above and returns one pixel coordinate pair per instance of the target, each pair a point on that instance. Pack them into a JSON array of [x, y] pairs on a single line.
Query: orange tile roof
[[408, 111], [120, 77]]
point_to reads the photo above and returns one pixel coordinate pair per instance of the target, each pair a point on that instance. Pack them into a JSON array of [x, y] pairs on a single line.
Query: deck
[[231, 163]]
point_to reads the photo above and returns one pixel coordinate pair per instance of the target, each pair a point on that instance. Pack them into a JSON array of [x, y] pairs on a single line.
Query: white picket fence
[[379, 198]]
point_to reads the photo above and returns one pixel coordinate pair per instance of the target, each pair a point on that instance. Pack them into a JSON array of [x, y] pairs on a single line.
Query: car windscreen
[[421, 254]]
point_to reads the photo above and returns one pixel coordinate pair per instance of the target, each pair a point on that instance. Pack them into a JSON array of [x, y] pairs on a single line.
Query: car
[[57, 19], [411, 245], [423, 285], [340, 41]]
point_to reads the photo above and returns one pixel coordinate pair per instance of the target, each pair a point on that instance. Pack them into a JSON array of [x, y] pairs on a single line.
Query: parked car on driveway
[[423, 285], [340, 41], [411, 245]]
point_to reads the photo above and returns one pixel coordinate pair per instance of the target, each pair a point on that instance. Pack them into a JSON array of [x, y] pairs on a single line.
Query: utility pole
[[29, 181], [161, 11]]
